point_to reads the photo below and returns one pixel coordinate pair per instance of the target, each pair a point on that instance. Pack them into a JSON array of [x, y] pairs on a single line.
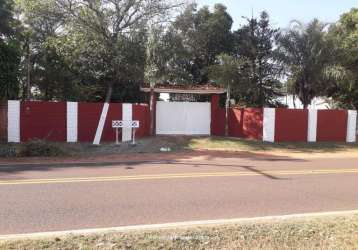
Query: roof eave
[[184, 91]]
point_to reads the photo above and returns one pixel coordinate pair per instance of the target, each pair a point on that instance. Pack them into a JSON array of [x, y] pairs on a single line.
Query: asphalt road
[[175, 188]]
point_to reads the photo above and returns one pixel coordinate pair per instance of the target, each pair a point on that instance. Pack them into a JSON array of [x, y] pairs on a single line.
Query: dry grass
[[180, 143], [318, 233], [325, 149]]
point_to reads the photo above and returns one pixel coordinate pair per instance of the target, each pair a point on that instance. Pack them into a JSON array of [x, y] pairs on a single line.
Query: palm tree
[[305, 54]]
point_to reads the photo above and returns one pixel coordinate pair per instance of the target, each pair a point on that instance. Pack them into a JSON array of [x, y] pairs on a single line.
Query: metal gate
[[183, 118]]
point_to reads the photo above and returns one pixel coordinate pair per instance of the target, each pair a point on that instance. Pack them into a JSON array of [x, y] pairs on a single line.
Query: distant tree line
[[103, 50]]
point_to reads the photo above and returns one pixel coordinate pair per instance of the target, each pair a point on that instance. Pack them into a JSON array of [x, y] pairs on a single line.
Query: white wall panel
[[183, 118], [72, 121], [13, 117], [352, 126], [269, 125], [127, 115], [312, 125]]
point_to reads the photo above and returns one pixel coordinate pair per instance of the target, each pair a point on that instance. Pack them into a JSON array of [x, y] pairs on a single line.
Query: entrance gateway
[[181, 118]]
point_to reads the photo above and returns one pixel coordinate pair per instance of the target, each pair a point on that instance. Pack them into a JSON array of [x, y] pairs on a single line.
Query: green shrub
[[9, 150], [38, 148]]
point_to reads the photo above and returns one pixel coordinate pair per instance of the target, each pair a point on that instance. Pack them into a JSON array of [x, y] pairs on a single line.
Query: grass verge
[[40, 148], [310, 233], [233, 144]]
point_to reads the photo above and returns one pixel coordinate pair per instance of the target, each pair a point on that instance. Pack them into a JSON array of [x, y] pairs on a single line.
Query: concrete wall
[[92, 122], [71, 121]]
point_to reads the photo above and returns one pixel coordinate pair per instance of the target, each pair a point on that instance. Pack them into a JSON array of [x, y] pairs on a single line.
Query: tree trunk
[[28, 77], [109, 92]]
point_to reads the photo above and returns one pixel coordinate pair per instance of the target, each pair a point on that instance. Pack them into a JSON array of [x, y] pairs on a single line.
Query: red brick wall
[[43, 120], [291, 125], [332, 125]]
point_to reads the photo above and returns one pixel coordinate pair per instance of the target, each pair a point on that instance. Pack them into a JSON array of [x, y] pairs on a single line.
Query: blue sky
[[283, 11]]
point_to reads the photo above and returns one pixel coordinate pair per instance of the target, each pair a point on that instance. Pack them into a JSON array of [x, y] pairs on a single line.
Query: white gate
[[183, 118]]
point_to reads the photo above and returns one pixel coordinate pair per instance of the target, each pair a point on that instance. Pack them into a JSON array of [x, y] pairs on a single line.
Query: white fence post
[[127, 115], [102, 120], [13, 121], [352, 126], [72, 121], [312, 125], [269, 125]]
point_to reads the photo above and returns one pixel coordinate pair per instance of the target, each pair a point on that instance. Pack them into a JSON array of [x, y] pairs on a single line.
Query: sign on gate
[[125, 124]]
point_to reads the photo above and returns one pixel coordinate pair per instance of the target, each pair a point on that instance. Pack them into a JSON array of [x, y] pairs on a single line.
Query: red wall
[[291, 125], [43, 120], [142, 114], [217, 117], [114, 113], [246, 123], [89, 114], [332, 125], [88, 118]]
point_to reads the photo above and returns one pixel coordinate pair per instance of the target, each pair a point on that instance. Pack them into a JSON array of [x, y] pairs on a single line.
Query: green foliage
[[9, 68], [101, 50], [39, 148], [344, 74], [305, 52], [192, 43], [259, 75], [9, 52]]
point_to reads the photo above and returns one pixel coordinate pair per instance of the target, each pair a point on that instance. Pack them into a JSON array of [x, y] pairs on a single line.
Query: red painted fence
[[332, 125], [48, 120], [43, 120], [291, 125], [246, 123]]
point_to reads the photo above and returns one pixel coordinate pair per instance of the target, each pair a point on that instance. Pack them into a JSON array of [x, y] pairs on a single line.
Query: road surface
[[175, 188]]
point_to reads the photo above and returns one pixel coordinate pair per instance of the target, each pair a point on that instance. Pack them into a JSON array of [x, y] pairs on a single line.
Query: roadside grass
[[234, 144], [308, 233], [39, 148]]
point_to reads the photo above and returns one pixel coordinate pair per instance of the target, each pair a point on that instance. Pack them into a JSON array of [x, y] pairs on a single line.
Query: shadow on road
[[195, 159]]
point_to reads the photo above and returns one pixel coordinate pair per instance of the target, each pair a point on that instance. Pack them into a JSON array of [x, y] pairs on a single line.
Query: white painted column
[[352, 126], [102, 120], [13, 121], [269, 125], [72, 121], [312, 125], [127, 115]]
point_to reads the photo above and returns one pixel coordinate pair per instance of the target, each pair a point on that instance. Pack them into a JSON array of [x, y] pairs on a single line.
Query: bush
[[37, 148], [9, 150]]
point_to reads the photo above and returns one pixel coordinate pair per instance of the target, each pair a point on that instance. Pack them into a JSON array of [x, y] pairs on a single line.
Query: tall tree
[[106, 22], [344, 74], [9, 51], [204, 35], [306, 55], [260, 76]]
